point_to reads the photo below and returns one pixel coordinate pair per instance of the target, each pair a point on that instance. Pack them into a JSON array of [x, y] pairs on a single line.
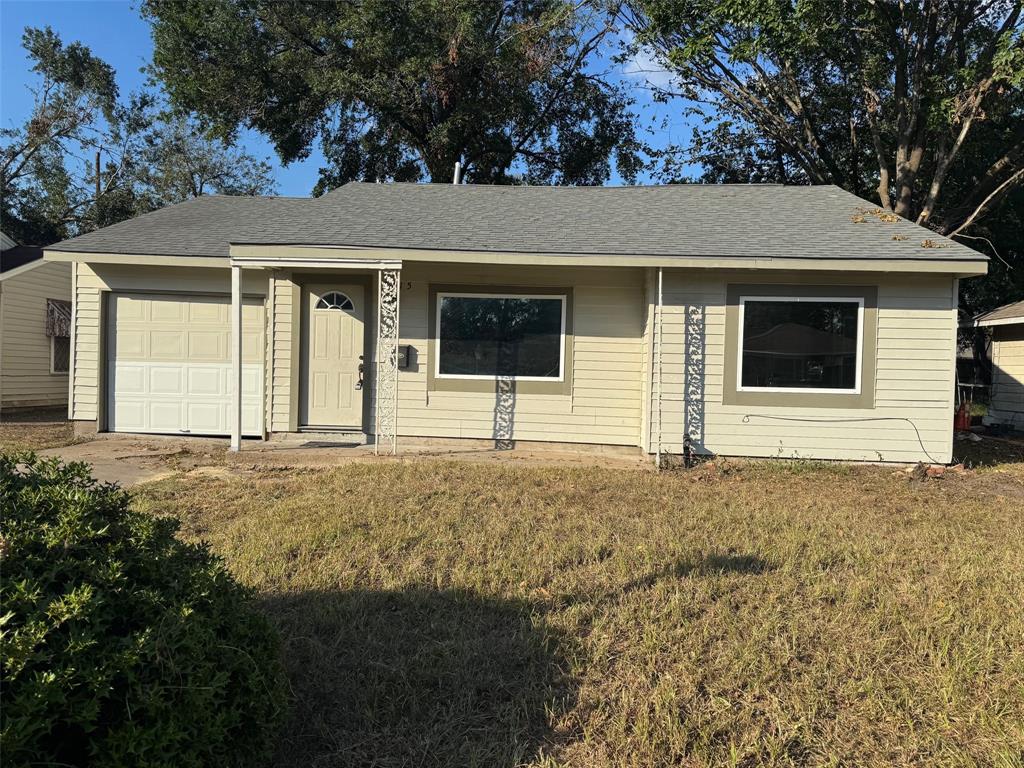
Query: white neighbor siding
[[25, 347], [1008, 374], [916, 340]]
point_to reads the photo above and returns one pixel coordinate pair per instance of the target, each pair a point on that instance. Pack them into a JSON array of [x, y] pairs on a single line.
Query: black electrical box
[[405, 353]]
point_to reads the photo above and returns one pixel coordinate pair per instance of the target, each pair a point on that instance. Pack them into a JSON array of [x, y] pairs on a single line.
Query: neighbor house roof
[[686, 220], [19, 256], [1008, 314]]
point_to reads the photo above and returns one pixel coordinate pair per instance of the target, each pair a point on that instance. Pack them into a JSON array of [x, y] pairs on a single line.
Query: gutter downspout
[[72, 357], [657, 319]]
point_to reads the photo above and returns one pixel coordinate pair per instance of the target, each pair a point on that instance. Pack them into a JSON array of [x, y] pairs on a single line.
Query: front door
[[332, 339]]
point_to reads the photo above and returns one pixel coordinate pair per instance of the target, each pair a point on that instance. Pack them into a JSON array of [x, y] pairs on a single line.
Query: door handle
[[362, 370]]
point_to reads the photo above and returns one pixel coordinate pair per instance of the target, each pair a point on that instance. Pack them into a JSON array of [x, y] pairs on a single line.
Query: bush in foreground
[[121, 645]]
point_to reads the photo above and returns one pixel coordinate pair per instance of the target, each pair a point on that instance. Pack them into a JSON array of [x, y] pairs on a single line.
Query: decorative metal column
[[386, 379], [693, 381]]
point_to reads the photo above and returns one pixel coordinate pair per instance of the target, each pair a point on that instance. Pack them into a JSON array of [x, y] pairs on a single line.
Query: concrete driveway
[[130, 461]]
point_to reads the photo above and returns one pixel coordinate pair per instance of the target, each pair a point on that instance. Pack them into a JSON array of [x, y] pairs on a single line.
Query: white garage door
[[169, 365]]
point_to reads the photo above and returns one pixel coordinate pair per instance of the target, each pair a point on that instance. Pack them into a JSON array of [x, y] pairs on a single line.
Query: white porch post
[[236, 359]]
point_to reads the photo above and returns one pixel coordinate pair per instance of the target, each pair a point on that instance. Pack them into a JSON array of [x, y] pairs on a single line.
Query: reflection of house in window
[[484, 336], [800, 344]]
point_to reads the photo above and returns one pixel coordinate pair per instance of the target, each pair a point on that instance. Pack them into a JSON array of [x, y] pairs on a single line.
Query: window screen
[[60, 354], [791, 343], [489, 336]]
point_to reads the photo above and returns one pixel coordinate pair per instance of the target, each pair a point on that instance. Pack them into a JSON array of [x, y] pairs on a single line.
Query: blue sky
[[115, 32]]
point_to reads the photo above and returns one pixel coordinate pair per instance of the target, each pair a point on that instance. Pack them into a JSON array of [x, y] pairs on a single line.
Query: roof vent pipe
[[458, 172]]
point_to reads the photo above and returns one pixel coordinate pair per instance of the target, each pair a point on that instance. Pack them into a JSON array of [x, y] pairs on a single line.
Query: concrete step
[[326, 438]]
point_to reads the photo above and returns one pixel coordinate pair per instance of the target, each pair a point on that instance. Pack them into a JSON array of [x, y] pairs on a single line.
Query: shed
[[1006, 325]]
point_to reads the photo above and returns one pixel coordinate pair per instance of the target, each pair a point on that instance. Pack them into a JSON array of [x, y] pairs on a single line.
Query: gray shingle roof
[[740, 221], [1013, 311]]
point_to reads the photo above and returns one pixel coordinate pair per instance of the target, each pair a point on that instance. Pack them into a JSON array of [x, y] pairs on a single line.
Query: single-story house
[[1006, 398], [35, 326], [740, 320]]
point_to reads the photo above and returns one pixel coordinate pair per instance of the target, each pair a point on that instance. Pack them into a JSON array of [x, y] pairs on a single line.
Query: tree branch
[[1014, 180]]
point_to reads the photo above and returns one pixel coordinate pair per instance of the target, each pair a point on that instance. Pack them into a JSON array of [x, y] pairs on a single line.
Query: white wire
[[826, 420]]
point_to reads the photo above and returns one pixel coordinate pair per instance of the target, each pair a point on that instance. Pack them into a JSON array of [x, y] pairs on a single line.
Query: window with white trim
[[485, 336], [800, 344]]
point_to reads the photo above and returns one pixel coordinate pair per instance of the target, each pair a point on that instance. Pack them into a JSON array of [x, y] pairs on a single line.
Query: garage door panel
[[166, 380], [165, 416], [205, 381], [169, 365], [208, 312], [251, 418], [129, 413], [210, 417], [166, 345], [252, 381], [131, 344], [209, 345], [129, 308], [168, 310], [252, 349], [129, 379]]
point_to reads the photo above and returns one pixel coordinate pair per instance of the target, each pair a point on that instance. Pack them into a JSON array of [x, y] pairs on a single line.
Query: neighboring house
[[735, 320], [35, 326], [1006, 401]]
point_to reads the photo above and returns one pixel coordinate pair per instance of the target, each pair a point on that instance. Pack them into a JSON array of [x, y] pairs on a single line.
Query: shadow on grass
[[415, 677], [713, 564]]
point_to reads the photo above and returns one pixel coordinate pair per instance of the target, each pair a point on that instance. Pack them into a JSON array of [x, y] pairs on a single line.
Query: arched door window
[[334, 300]]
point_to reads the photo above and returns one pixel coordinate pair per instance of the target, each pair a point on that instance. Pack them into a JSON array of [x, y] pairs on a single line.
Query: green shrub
[[121, 645]]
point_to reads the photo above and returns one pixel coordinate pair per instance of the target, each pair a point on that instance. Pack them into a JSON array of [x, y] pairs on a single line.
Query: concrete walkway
[[134, 459]]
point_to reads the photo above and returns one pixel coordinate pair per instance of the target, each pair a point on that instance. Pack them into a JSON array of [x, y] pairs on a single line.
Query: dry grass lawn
[[35, 430], [733, 615]]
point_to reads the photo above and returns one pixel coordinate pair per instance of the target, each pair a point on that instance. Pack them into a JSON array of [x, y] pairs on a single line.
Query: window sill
[[492, 386]]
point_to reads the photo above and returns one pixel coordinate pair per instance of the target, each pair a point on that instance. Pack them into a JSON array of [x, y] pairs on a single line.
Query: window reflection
[[500, 336], [800, 344]]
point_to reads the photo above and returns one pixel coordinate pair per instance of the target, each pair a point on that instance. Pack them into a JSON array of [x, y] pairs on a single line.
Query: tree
[[403, 90], [180, 163], [86, 159], [917, 103], [76, 95]]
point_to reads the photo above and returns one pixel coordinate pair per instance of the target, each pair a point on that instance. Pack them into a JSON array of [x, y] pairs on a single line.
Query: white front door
[[332, 331], [169, 364]]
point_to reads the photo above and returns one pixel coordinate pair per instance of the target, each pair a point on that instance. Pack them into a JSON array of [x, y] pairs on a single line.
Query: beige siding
[[25, 347], [1007, 403], [913, 380], [94, 281], [607, 360], [647, 368]]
